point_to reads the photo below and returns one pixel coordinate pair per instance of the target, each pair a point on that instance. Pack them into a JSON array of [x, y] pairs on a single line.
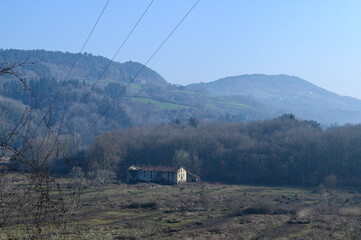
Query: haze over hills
[[283, 93], [150, 99]]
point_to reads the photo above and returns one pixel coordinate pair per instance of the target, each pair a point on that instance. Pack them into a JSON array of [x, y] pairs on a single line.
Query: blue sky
[[319, 41]]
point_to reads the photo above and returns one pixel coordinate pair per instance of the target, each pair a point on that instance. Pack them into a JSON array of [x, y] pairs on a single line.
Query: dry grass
[[213, 211]]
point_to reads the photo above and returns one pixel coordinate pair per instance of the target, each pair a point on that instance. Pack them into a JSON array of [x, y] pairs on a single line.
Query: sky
[[319, 41]]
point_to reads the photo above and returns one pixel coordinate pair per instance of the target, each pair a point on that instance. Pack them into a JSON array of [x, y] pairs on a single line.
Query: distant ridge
[[56, 64], [152, 100], [255, 84], [284, 93], [149, 100]]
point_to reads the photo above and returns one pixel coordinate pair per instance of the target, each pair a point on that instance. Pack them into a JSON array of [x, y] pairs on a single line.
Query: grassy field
[[214, 211], [163, 105]]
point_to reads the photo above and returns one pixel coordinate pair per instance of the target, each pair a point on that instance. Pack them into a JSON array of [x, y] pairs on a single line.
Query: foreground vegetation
[[204, 211]]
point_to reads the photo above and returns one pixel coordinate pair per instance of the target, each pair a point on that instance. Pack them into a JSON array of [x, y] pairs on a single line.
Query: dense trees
[[136, 107], [278, 151]]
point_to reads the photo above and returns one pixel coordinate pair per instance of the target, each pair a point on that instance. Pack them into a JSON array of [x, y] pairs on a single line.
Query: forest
[[279, 151]]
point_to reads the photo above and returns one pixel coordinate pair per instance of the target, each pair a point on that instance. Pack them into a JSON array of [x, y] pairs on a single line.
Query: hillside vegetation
[[87, 95], [202, 126]]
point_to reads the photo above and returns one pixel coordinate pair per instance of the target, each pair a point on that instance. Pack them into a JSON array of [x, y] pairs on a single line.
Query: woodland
[[279, 151]]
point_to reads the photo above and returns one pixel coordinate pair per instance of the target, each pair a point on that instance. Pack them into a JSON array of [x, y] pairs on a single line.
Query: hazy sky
[[319, 41]]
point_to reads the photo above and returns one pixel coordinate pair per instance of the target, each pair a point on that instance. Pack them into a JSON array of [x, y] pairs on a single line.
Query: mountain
[[148, 100], [86, 97], [285, 94], [41, 63]]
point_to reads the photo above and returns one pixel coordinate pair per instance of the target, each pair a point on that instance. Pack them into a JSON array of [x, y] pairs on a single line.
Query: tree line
[[280, 151]]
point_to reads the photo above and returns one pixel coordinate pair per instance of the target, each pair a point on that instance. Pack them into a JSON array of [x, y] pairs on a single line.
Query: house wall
[[154, 176], [157, 176], [181, 175]]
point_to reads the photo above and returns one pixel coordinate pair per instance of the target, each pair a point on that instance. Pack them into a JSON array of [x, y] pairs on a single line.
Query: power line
[[149, 59], [110, 62], [67, 76], [81, 50], [43, 117]]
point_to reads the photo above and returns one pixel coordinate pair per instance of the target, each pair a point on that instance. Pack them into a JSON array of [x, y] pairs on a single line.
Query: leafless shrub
[[147, 205], [35, 202], [258, 208], [101, 177], [150, 205], [134, 205]]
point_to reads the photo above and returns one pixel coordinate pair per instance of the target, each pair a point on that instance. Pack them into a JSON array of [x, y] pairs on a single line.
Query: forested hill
[[287, 94], [88, 67], [148, 100]]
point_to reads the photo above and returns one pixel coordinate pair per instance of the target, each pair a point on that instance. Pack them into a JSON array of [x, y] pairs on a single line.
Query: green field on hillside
[[163, 105]]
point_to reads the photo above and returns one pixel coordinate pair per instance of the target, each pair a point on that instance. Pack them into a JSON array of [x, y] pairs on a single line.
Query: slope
[[282, 93], [148, 100]]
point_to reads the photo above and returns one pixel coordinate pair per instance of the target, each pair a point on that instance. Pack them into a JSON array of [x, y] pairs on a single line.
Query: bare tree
[[32, 200]]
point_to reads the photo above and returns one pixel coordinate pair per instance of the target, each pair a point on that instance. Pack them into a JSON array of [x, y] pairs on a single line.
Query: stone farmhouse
[[156, 174]]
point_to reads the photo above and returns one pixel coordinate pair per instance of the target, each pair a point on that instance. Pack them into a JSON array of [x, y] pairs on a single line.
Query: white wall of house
[[172, 177], [181, 175]]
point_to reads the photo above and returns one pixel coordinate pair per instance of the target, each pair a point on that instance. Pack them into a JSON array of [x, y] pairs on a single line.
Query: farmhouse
[[156, 174]]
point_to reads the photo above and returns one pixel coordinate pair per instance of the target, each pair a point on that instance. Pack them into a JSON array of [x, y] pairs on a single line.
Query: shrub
[[147, 205], [150, 205], [258, 209]]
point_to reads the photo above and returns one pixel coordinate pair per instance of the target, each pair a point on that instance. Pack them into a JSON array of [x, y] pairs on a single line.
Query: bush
[[147, 205], [134, 205], [101, 177], [150, 205], [258, 209]]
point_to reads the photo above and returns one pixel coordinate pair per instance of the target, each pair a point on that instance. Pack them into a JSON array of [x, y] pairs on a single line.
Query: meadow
[[211, 211]]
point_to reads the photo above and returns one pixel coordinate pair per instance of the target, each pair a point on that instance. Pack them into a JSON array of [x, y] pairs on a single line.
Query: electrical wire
[[68, 74], [78, 55], [110, 62], [143, 66]]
